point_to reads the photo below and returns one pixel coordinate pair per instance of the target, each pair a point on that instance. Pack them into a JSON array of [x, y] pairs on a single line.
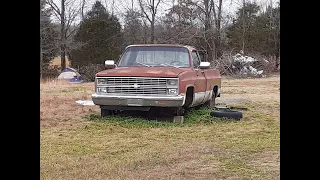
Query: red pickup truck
[[156, 75]]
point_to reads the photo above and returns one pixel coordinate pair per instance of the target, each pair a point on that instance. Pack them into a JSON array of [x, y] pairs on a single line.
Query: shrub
[[89, 72]]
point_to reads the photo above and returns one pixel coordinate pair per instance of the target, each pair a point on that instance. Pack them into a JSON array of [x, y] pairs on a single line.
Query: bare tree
[[205, 8], [211, 17], [149, 10], [66, 12], [82, 8], [217, 19], [48, 37]]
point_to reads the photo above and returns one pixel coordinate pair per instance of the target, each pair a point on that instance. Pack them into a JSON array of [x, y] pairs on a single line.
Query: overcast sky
[[118, 7]]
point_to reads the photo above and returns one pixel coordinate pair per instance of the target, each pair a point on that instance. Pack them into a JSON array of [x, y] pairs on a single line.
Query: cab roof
[[170, 45]]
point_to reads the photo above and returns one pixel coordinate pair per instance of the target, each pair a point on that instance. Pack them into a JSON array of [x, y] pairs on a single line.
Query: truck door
[[200, 83]]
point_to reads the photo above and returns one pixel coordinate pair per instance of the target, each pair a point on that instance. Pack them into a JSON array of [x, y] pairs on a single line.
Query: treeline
[[99, 35]]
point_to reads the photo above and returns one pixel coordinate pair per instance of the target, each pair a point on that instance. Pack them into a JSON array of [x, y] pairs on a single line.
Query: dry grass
[[57, 62], [74, 148], [57, 102]]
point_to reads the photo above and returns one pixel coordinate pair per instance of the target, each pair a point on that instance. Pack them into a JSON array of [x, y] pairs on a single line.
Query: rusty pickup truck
[[157, 75]]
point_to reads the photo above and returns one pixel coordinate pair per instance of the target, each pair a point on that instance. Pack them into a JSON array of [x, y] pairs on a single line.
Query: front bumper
[[130, 100]]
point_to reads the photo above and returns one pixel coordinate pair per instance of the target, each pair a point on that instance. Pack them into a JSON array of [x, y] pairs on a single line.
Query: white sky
[[118, 7]]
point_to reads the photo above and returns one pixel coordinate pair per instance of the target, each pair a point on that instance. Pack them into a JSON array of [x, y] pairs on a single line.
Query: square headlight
[[101, 89], [101, 81], [173, 91], [172, 82]]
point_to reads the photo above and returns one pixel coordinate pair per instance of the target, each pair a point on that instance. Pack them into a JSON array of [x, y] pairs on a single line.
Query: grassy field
[[77, 144]]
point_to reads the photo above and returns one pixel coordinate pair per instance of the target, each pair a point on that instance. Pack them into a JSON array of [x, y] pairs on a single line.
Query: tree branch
[[54, 7], [155, 9], [143, 11]]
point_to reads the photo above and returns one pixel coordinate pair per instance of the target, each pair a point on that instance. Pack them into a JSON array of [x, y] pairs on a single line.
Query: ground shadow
[[154, 114]]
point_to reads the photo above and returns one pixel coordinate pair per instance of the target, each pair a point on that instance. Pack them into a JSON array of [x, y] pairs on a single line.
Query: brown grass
[[57, 62], [57, 102], [72, 147]]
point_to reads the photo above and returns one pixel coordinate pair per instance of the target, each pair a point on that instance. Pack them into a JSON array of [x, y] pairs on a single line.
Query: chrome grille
[[123, 81], [124, 90], [136, 85]]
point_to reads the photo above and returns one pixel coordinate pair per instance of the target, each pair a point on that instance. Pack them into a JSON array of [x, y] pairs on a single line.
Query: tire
[[105, 112], [212, 102], [227, 114]]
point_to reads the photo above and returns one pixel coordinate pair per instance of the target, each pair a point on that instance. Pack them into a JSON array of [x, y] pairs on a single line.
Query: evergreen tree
[[100, 35], [253, 32], [242, 32]]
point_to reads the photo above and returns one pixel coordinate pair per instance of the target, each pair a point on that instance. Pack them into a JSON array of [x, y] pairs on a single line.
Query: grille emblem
[[136, 86]]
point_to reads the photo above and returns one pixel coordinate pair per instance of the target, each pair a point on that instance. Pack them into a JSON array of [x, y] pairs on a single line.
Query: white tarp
[[85, 102]]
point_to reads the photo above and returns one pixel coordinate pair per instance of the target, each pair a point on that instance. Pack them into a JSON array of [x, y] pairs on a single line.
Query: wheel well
[[189, 96], [215, 90]]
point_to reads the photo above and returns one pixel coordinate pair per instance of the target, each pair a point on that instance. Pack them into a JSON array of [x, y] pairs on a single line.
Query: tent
[[70, 75]]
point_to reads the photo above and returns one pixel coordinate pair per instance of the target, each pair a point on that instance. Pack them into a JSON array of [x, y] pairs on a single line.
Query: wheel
[[230, 114], [212, 102], [105, 112]]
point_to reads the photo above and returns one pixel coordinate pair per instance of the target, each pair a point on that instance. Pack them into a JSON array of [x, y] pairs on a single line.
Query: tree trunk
[[243, 25], [145, 32], [152, 29], [63, 37], [207, 30], [218, 50], [69, 58], [41, 55]]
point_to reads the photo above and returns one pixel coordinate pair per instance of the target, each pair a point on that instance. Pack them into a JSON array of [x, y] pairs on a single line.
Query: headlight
[[101, 89], [101, 81], [173, 91], [172, 82]]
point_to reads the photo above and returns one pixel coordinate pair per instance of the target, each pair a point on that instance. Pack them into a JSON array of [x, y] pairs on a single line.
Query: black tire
[[212, 102], [227, 114]]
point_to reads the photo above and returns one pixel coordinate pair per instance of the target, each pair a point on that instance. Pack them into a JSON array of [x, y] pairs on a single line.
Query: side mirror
[[204, 65], [109, 64]]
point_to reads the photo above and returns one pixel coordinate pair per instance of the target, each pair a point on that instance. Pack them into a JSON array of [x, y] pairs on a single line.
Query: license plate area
[[134, 102]]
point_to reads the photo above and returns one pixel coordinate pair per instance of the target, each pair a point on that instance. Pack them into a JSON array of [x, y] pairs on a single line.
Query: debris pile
[[246, 65]]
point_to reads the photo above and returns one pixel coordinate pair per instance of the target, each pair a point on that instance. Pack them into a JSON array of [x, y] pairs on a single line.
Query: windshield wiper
[[166, 64], [143, 64]]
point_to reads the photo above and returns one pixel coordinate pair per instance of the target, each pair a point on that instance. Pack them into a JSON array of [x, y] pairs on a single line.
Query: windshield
[[151, 56]]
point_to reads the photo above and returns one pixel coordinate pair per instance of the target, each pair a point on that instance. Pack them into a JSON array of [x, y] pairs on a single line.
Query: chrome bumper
[[130, 100]]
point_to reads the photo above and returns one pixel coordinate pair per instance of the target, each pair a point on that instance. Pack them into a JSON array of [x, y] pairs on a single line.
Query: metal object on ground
[[178, 119], [231, 100]]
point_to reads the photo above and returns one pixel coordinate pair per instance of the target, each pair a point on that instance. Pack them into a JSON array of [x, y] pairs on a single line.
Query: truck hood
[[143, 71]]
